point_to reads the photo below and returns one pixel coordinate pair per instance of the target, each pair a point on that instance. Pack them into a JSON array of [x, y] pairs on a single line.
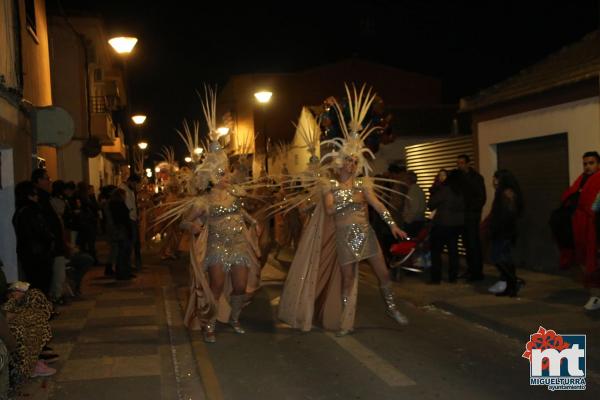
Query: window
[[30, 17]]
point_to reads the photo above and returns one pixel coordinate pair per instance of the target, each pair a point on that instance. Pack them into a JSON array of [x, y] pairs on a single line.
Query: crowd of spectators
[[56, 226]]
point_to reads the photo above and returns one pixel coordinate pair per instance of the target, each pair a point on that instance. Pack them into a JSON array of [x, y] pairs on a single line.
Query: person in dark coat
[[123, 233], [473, 190], [448, 203], [501, 225], [35, 241], [88, 221]]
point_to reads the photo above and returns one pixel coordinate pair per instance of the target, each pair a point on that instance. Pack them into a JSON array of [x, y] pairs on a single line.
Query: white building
[[538, 124]]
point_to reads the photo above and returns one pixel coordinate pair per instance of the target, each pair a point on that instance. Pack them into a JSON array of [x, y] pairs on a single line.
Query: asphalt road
[[437, 356]]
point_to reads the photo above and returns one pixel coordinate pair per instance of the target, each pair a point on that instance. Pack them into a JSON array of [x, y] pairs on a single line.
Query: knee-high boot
[[209, 329], [344, 317], [237, 303], [387, 292]]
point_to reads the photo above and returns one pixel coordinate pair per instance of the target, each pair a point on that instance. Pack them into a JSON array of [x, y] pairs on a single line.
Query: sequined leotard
[[227, 243], [355, 238]]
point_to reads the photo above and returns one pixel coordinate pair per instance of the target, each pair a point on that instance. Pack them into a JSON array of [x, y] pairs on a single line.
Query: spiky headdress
[[310, 133], [352, 144], [215, 163]]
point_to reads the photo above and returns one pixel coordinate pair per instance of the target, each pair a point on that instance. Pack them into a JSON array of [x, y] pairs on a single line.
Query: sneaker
[[41, 369], [49, 357], [497, 287], [593, 304]]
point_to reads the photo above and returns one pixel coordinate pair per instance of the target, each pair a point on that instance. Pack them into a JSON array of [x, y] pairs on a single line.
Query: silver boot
[[387, 292], [209, 331], [237, 302], [343, 332]]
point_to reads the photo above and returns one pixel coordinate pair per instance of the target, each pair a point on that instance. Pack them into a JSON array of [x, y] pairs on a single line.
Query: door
[[541, 168]]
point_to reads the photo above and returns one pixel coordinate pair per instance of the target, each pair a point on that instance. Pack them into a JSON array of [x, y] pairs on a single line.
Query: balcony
[[117, 152], [103, 127]]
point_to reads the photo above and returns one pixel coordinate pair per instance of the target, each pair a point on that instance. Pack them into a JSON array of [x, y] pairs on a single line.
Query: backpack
[[561, 222]]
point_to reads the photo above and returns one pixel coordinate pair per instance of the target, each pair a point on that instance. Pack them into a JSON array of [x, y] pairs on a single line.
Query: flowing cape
[[313, 288]]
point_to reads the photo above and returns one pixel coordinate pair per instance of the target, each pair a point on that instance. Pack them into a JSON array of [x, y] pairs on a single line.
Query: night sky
[[469, 45]]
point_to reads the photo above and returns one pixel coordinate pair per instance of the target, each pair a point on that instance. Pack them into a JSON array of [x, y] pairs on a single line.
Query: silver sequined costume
[[227, 243], [355, 238]]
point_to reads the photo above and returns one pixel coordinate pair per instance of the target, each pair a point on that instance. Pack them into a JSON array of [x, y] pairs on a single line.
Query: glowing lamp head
[[198, 151], [143, 145], [263, 97], [188, 159], [138, 119], [123, 44], [222, 131]]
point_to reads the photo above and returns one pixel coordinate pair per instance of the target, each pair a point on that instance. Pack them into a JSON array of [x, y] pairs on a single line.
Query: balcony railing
[[104, 104]]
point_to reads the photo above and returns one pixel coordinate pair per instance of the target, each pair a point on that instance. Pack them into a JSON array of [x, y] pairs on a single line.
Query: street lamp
[[264, 97], [143, 145], [223, 130], [123, 44], [138, 119], [188, 159]]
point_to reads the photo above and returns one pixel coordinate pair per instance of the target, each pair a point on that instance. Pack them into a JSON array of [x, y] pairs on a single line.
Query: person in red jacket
[[581, 195]]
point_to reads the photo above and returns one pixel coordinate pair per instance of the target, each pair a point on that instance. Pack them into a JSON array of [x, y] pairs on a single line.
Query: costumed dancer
[[171, 235], [222, 250], [323, 279]]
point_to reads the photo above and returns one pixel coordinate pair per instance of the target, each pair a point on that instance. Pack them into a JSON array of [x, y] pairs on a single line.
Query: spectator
[[448, 203], [41, 181], [35, 241], [71, 220], [88, 221], [130, 188], [473, 189], [123, 233], [109, 228], [413, 213], [28, 312], [580, 197], [501, 226]]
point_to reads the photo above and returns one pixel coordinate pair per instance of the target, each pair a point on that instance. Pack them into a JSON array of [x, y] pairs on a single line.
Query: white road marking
[[380, 367]]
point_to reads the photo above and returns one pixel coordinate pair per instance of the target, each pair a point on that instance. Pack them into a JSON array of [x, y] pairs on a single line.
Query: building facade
[[87, 82], [538, 124], [25, 86]]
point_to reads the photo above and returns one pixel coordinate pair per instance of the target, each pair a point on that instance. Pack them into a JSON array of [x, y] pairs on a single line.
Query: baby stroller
[[412, 254]]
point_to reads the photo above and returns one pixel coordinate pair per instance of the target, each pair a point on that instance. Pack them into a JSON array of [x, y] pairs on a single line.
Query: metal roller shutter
[[541, 165], [427, 159]]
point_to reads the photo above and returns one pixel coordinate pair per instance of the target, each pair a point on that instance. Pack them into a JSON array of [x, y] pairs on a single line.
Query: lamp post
[[264, 97], [123, 46]]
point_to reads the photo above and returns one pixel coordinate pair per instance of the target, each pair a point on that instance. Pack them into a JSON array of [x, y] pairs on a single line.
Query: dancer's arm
[[190, 223], [248, 218], [329, 203], [383, 212]]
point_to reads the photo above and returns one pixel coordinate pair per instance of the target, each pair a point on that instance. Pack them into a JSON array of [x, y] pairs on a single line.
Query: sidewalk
[[121, 338]]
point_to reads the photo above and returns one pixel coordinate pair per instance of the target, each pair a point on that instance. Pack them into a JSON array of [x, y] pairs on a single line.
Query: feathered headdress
[[310, 133], [215, 163], [352, 144]]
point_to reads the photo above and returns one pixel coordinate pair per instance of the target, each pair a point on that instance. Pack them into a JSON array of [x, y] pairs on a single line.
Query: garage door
[[541, 167]]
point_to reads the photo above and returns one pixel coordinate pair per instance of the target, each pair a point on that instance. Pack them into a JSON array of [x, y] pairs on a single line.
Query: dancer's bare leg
[[379, 267], [239, 280], [348, 276], [217, 282]]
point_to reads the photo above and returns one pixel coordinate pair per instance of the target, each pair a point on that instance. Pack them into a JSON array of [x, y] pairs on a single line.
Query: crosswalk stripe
[[380, 367]]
